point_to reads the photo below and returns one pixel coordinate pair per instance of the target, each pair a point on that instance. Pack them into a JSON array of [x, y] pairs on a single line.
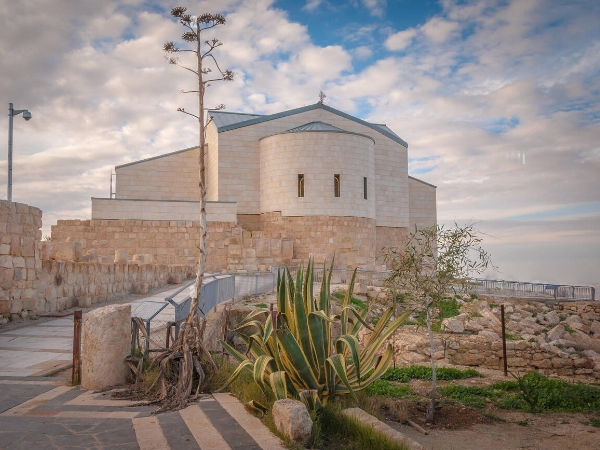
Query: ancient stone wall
[[31, 283], [389, 237], [230, 248], [351, 239]]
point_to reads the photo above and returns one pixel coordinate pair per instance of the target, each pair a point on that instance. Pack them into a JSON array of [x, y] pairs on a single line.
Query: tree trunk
[[431, 408]]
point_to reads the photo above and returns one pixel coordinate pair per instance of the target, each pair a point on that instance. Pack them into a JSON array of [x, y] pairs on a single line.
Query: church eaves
[[254, 119]]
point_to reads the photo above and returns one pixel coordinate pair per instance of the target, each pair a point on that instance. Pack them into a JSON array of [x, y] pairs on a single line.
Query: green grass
[[568, 329], [594, 422], [384, 388], [355, 301], [261, 305], [533, 392], [405, 374], [513, 337]]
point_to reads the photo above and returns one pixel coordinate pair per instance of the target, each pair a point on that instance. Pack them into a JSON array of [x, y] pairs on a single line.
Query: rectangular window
[[336, 185], [365, 186], [300, 185]]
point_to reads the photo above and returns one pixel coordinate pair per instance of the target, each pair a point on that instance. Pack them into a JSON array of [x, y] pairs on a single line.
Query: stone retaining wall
[[31, 283]]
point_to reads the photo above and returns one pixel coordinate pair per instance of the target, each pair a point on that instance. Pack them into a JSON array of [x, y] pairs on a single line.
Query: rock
[[106, 344], [555, 333], [453, 325], [489, 334], [552, 318], [595, 329], [493, 322], [582, 341], [574, 322], [144, 258], [292, 419], [66, 251], [359, 289]]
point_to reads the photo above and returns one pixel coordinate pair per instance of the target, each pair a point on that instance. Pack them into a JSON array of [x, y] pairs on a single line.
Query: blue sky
[[499, 101]]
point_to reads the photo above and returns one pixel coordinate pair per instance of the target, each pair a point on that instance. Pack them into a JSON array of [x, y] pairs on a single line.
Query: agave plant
[[293, 352]]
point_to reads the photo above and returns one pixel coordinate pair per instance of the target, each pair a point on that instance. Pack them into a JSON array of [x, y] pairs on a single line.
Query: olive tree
[[434, 262]]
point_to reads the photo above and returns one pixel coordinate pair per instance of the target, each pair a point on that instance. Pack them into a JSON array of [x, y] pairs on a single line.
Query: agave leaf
[[279, 385], [376, 340], [261, 370], [362, 321], [281, 293], [346, 302], [383, 364], [246, 364], [251, 323], [301, 332], [256, 408], [233, 352], [268, 329], [318, 327], [351, 344], [294, 353], [339, 366]]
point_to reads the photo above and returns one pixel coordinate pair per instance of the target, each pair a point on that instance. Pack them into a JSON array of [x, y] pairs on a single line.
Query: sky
[[499, 101]]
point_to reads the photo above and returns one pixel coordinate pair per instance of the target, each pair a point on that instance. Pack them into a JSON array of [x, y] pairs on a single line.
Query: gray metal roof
[[319, 127], [424, 182], [223, 119], [247, 120]]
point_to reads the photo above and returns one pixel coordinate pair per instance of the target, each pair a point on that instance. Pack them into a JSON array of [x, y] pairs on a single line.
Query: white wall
[[423, 210]]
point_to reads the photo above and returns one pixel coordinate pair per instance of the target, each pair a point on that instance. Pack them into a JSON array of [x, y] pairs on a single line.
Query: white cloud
[[438, 29], [375, 7], [400, 40], [311, 5]]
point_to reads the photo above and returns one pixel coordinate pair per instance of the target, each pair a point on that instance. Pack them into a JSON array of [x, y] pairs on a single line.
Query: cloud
[[375, 7], [311, 5], [400, 40]]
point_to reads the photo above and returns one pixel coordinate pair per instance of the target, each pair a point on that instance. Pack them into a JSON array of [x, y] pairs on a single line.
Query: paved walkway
[[47, 413]]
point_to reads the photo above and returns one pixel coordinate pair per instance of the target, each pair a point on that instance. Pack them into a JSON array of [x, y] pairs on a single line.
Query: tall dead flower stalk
[[173, 387]]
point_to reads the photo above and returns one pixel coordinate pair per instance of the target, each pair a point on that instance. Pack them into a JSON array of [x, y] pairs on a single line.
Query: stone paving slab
[[47, 414]]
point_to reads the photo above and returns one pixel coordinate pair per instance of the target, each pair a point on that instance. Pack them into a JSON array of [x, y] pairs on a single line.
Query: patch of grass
[[474, 297], [355, 301], [523, 423], [386, 389], [594, 422], [532, 340], [261, 305], [568, 329], [405, 374], [513, 337], [344, 433], [409, 322], [494, 305], [534, 393], [474, 314]]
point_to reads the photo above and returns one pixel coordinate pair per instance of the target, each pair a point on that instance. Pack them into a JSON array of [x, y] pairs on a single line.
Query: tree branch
[[189, 114]]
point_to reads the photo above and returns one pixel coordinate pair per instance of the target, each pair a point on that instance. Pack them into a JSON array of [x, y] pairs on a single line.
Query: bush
[[405, 374]]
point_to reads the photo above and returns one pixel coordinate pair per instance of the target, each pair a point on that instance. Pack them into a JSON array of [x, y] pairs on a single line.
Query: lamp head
[[27, 115]]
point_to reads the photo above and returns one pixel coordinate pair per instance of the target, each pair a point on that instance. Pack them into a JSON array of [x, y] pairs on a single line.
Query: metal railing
[[159, 316]]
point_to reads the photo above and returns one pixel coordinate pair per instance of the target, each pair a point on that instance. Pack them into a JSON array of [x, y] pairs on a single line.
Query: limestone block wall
[[239, 165], [176, 242], [389, 237], [412, 347], [117, 209], [212, 162], [169, 177], [19, 258], [351, 239], [318, 156], [422, 211]]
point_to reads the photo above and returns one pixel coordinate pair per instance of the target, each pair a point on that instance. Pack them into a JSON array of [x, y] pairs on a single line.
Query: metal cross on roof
[[321, 97]]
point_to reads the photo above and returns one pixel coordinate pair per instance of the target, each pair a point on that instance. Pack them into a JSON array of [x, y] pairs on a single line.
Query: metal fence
[[499, 288], [156, 322]]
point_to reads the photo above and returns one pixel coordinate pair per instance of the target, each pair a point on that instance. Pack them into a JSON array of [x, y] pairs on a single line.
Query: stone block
[[263, 247], [552, 318], [84, 301], [120, 256], [145, 258], [144, 288], [66, 251], [106, 343], [287, 250], [292, 419], [555, 333], [453, 325], [595, 329]]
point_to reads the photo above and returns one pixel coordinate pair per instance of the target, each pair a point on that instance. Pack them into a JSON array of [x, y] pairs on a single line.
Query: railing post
[[504, 341], [76, 372]]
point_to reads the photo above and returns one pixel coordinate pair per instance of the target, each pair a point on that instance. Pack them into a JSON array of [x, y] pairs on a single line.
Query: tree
[[176, 381], [434, 262]]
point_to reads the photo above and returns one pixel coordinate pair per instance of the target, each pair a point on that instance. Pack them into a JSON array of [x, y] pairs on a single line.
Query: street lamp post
[[11, 113]]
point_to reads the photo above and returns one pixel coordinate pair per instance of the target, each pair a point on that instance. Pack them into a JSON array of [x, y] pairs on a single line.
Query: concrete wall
[[212, 162], [239, 165], [105, 208], [170, 177], [317, 155], [423, 209]]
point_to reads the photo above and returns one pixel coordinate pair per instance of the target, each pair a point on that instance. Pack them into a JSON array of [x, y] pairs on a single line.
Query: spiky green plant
[[293, 353]]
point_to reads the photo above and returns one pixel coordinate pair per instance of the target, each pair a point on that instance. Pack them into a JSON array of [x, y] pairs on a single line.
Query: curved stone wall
[[317, 155]]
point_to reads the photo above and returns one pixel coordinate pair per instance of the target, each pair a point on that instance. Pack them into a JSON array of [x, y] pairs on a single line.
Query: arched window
[[336, 185], [300, 185]]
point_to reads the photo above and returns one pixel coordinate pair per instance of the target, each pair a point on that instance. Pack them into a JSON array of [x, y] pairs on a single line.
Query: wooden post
[[76, 372], [504, 341]]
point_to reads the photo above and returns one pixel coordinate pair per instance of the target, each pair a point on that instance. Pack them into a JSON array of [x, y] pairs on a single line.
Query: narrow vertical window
[[300, 185], [336, 185], [365, 186]]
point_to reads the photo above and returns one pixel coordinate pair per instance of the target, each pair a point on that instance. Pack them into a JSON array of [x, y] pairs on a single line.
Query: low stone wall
[[412, 346], [230, 247], [19, 256]]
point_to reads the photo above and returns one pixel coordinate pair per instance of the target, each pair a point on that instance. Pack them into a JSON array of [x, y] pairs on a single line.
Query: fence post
[[76, 372], [504, 341]]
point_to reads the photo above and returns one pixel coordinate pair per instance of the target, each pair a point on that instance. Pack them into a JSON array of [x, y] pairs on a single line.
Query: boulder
[[555, 333], [574, 322], [552, 318], [490, 334], [292, 419], [453, 325], [595, 329], [106, 344]]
